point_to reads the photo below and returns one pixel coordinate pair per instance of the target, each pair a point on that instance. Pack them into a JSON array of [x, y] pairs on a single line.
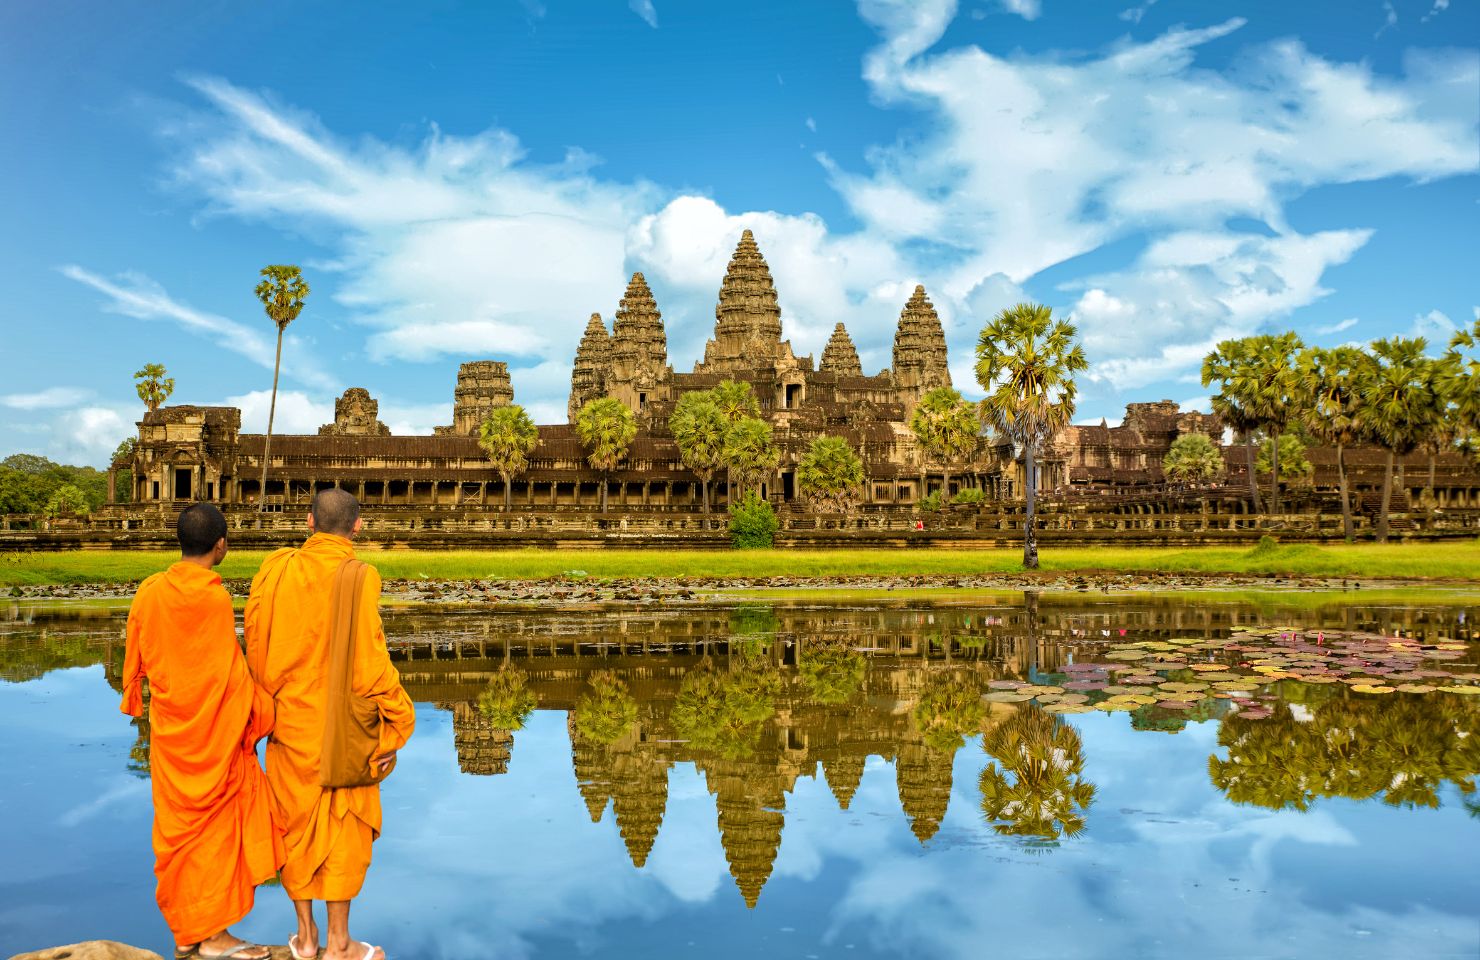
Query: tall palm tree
[[153, 387], [736, 401], [830, 472], [945, 429], [1464, 376], [1335, 381], [750, 455], [1234, 403], [606, 427], [508, 436], [698, 427], [1276, 392], [1400, 406], [1026, 362], [1191, 457], [282, 292], [1048, 795]]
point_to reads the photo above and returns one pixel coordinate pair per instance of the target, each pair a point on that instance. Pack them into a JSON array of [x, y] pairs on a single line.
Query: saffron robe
[[329, 832], [214, 839]]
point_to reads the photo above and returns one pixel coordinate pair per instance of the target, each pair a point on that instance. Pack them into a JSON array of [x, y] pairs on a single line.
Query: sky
[[472, 180]]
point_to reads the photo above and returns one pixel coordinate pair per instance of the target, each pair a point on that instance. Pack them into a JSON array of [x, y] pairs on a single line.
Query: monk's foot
[[304, 944], [225, 944], [353, 950]]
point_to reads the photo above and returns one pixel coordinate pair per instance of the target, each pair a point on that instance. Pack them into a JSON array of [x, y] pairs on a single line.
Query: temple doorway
[[182, 483], [788, 486]]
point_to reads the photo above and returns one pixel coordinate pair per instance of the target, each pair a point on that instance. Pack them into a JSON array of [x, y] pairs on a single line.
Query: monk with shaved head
[[214, 838], [289, 619]]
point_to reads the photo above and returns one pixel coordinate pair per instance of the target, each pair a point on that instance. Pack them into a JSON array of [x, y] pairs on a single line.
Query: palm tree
[[698, 428], [1048, 795], [1270, 385], [282, 294], [830, 472], [1399, 406], [1192, 457], [749, 454], [945, 429], [606, 428], [736, 401], [1464, 377], [1334, 381], [1026, 362], [153, 386], [1233, 402], [508, 436]]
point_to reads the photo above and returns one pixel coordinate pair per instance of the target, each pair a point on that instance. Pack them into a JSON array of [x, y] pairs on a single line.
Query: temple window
[[641, 402], [793, 395]]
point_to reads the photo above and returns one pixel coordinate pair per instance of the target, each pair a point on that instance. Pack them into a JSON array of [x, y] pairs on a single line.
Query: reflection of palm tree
[[138, 754], [1047, 795], [832, 673], [722, 711], [950, 707], [1402, 750], [607, 711], [507, 701]]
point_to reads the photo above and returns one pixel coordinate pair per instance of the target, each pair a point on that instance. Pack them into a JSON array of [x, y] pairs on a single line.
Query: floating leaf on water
[[1067, 708], [1416, 688], [1007, 696], [1469, 691], [1372, 688], [1006, 684], [1208, 667]]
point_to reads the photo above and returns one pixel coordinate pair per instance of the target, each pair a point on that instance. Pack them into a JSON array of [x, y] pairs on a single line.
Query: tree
[[1233, 402], [507, 701], [830, 472], [1464, 377], [606, 711], [1334, 381], [1399, 406], [1047, 796], [1290, 453], [698, 428], [29, 463], [153, 387], [67, 500], [753, 523], [1026, 362], [1276, 393], [1193, 457], [749, 453], [508, 436], [736, 401], [946, 428], [282, 294], [606, 428]]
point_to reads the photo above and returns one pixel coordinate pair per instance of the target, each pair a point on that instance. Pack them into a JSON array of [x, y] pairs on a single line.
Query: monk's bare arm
[[377, 678]]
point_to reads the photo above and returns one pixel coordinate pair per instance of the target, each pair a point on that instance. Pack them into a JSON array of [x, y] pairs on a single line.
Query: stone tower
[[840, 356], [920, 348], [593, 357], [638, 365], [356, 414], [747, 319], [923, 777], [482, 387]]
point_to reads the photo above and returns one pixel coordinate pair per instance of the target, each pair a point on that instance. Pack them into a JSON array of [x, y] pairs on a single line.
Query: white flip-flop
[[370, 949], [293, 949]]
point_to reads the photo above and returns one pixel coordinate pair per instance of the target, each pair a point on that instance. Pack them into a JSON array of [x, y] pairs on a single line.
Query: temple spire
[[638, 338], [593, 357], [747, 318], [920, 361], [840, 356]]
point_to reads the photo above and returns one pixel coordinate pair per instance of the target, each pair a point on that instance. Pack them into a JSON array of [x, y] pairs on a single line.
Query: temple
[[189, 453]]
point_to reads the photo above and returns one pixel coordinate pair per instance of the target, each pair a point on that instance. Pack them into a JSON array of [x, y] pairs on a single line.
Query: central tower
[[747, 319]]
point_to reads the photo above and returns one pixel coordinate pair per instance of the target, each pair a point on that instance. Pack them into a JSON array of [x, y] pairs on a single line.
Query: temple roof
[[637, 334], [920, 344], [840, 356]]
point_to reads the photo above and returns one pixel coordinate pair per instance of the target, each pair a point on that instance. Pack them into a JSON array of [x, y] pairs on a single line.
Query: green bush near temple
[[753, 523]]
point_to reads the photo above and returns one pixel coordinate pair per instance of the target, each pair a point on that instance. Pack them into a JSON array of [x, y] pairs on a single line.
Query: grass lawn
[[1450, 560]]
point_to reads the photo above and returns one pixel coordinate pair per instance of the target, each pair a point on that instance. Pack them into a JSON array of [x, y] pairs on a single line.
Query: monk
[[214, 838], [328, 831]]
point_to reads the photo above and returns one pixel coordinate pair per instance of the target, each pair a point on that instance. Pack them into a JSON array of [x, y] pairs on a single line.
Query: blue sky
[[473, 180]]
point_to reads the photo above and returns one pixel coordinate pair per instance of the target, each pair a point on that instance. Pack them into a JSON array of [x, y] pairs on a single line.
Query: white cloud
[[1027, 9], [1389, 20], [89, 435], [135, 295], [812, 124], [1439, 7], [1135, 14], [296, 412], [646, 10], [46, 399], [1434, 326], [1337, 327]]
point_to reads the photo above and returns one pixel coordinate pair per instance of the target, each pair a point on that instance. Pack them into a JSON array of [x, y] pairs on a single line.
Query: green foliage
[[67, 501], [722, 712], [950, 709], [282, 292], [507, 700], [699, 426], [1046, 795], [507, 437], [28, 483], [606, 711], [1293, 464], [831, 672], [830, 473], [753, 523], [1192, 457], [1399, 406], [1266, 547], [153, 387], [969, 497], [1334, 381], [124, 452], [945, 426], [606, 428], [735, 400], [930, 503], [749, 452], [1026, 362]]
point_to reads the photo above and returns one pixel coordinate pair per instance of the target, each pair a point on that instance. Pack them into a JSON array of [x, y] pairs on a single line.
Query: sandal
[[182, 953], [369, 950], [233, 952], [293, 949]]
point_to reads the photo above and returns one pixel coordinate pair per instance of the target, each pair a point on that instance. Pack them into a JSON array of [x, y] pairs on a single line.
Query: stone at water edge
[[91, 950]]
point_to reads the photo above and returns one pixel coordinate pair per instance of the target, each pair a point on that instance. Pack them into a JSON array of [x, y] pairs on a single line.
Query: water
[[851, 771]]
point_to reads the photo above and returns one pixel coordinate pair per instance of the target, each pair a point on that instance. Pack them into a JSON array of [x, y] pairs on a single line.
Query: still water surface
[[866, 780]]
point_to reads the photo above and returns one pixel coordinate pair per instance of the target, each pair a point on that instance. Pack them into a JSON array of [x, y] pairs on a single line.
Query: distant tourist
[[214, 838], [339, 721]]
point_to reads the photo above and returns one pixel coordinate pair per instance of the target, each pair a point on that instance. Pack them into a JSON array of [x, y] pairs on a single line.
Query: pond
[[1065, 775]]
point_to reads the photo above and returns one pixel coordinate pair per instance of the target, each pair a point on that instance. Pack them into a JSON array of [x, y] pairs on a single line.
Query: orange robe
[[214, 839], [328, 831]]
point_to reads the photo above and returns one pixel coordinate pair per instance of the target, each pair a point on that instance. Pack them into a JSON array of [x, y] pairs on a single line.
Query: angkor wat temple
[[199, 453]]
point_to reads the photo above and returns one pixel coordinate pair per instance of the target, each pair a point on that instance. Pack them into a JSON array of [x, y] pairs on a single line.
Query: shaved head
[[335, 511], [200, 528]]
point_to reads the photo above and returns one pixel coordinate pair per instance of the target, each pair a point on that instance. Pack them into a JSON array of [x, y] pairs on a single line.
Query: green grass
[[1450, 560]]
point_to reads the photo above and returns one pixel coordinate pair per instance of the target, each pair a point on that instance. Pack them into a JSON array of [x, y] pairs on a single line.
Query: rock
[[91, 950]]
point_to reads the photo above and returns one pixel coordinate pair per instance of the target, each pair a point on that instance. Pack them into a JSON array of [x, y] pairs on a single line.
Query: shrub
[[971, 496], [753, 523], [930, 503]]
